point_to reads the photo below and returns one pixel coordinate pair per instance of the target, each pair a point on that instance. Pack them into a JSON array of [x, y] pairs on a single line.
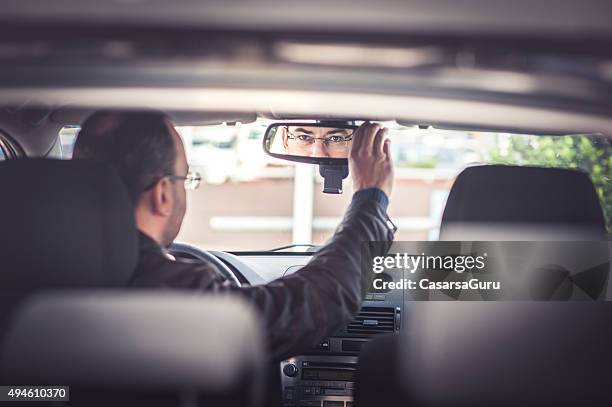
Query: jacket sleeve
[[301, 309]]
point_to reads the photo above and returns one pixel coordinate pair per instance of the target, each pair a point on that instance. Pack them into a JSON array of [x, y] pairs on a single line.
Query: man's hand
[[370, 158]]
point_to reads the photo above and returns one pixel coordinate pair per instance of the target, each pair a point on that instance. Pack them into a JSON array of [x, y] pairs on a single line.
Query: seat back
[[124, 348], [505, 202], [64, 224]]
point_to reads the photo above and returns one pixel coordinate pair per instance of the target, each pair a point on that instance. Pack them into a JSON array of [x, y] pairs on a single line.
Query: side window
[[6, 149]]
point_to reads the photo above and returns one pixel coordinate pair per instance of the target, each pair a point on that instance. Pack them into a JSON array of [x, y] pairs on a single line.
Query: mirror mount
[[332, 177]]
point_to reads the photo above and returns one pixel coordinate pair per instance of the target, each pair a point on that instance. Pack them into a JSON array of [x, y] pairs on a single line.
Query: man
[[299, 310], [308, 141]]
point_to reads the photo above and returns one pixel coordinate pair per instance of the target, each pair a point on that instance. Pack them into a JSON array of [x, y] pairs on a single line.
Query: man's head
[[148, 154]]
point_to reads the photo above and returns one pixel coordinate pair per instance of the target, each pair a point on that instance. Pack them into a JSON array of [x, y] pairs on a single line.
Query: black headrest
[[64, 223], [513, 195], [137, 343]]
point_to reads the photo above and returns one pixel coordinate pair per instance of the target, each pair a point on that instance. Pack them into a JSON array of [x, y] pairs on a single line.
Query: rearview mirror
[[316, 143]]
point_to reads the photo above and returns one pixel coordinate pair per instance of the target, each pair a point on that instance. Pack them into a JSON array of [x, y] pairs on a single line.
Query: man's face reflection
[[308, 141]]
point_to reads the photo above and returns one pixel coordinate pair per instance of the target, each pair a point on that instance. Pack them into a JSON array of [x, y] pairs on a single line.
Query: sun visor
[[73, 115], [479, 127], [199, 118]]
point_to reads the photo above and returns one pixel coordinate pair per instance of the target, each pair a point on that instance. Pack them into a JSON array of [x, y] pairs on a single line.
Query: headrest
[[64, 223], [136, 340], [499, 196]]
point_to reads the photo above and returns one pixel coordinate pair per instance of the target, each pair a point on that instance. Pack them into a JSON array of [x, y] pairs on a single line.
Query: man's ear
[[162, 198]]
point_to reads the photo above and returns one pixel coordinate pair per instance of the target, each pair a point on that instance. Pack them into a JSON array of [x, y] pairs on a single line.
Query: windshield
[[251, 201]]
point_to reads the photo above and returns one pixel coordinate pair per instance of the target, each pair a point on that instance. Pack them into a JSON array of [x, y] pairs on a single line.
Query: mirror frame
[[308, 160]]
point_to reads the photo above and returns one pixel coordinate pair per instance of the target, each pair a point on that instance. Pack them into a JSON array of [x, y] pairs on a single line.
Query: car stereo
[[324, 377], [316, 381]]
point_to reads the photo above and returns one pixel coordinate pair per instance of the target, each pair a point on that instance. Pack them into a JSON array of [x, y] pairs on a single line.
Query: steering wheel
[[187, 250]]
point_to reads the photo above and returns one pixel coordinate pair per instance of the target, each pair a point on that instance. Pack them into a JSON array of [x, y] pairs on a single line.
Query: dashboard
[[324, 376]]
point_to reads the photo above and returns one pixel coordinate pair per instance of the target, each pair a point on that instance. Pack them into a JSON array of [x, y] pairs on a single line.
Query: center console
[[324, 377]]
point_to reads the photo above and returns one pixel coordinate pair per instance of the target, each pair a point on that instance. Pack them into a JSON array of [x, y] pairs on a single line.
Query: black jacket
[[301, 309]]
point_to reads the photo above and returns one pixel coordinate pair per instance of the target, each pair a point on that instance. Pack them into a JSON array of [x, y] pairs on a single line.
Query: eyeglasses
[[334, 141], [192, 180]]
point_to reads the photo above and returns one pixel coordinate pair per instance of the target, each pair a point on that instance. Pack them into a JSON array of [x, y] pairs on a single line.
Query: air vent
[[373, 320]]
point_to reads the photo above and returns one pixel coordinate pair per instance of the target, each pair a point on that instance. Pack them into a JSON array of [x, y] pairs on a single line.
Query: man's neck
[[147, 240], [148, 226]]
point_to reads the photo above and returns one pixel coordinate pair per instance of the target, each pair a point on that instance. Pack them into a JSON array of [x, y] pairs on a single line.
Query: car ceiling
[[521, 17], [528, 67]]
